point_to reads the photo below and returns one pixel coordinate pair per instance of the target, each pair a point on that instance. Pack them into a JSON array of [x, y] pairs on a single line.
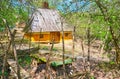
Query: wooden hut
[[45, 26]]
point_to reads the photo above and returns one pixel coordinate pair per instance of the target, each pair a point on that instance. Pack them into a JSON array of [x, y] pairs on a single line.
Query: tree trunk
[[88, 37], [48, 60], [73, 47], [12, 36], [109, 20], [63, 49], [4, 63]]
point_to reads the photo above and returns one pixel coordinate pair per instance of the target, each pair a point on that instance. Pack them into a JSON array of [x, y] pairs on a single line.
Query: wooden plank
[[12, 63]]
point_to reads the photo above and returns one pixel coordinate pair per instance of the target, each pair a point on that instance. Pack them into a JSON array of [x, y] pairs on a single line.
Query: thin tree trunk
[[30, 41], [8, 48], [88, 37], [82, 45], [73, 47], [16, 57], [12, 36], [4, 63], [103, 44], [4, 59], [63, 49], [48, 60]]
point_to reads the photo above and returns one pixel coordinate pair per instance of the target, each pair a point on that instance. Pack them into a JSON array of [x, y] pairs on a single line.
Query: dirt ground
[[80, 68], [95, 50]]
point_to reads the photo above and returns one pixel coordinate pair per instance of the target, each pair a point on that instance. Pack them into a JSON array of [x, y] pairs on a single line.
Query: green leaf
[[92, 77], [59, 63], [112, 62], [6, 73], [0, 73]]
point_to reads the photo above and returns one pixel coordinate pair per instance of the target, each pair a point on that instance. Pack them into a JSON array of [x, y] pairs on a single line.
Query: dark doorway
[[55, 36]]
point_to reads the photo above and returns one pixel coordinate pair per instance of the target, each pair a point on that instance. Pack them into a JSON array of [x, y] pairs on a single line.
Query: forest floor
[[99, 66]]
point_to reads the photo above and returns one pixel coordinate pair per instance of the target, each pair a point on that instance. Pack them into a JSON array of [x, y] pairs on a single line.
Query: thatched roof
[[46, 20]]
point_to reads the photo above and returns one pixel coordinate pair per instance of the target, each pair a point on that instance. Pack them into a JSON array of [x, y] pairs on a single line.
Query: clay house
[[45, 26]]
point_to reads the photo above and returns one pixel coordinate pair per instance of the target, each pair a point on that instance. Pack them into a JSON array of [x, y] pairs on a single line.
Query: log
[[77, 74], [13, 66]]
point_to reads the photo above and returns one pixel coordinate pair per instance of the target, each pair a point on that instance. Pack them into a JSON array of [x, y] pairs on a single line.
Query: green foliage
[[45, 48], [81, 20], [96, 20], [108, 66], [92, 77], [5, 73], [59, 63], [12, 13], [112, 62], [26, 60], [55, 49], [38, 58], [0, 73]]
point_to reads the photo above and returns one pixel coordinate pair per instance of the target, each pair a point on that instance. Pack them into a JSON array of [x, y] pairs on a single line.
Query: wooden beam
[[13, 66]]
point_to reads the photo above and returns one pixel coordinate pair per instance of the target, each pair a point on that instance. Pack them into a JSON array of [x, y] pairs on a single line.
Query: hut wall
[[67, 35], [38, 37], [47, 37]]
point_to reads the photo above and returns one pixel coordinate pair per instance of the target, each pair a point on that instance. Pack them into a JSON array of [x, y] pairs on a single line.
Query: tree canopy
[[13, 11]]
